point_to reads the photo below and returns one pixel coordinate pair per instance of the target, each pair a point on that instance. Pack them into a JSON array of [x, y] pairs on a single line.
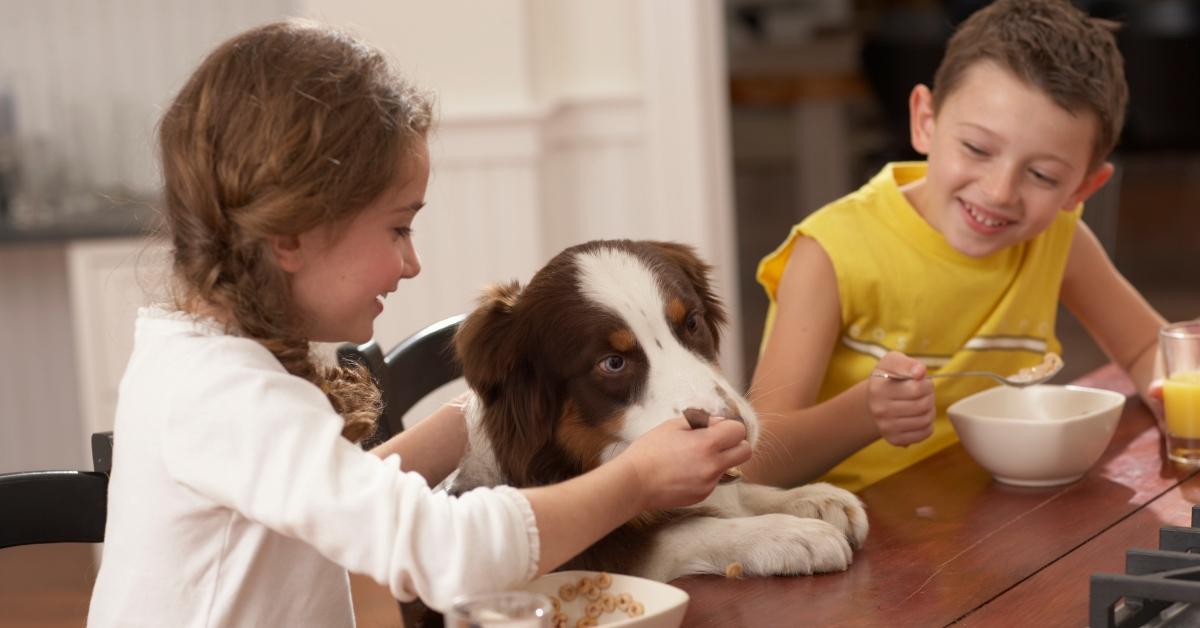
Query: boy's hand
[[679, 466], [902, 410], [1154, 399]]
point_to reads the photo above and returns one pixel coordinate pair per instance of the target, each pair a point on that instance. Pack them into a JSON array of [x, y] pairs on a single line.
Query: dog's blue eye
[[612, 364]]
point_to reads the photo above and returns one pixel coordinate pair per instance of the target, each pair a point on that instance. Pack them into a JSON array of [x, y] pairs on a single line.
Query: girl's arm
[[434, 446], [1117, 317], [801, 441], [673, 465]]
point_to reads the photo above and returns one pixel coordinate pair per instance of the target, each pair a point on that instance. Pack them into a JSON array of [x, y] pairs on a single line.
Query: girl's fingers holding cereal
[[736, 455], [726, 433]]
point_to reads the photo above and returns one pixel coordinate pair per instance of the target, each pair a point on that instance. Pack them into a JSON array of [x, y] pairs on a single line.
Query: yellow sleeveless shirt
[[903, 287]]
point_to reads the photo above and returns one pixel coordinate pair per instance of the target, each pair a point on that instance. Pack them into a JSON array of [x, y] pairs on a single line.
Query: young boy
[[954, 264]]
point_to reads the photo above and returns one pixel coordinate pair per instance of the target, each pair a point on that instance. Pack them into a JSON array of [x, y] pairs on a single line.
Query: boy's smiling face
[[1003, 159]]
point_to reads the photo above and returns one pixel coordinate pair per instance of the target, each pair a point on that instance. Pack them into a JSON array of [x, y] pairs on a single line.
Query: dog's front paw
[[785, 545], [837, 506]]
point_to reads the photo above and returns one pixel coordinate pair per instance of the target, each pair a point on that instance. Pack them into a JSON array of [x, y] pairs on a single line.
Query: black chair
[[57, 506], [417, 366]]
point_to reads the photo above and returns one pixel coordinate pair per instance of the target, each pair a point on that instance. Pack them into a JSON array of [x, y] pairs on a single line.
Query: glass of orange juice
[[1180, 346]]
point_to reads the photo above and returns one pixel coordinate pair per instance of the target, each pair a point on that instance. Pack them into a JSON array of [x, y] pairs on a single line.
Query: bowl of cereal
[[610, 600], [1038, 436]]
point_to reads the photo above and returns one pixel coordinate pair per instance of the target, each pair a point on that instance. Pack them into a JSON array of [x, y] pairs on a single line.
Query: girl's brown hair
[[282, 128], [1053, 46]]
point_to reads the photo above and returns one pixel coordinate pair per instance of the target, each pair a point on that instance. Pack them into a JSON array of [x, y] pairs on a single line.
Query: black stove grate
[[1159, 587]]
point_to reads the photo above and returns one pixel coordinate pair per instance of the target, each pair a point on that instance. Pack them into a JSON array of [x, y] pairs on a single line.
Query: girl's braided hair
[[283, 128]]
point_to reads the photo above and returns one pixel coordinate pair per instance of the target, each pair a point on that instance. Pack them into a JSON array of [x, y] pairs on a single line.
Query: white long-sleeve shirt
[[234, 501]]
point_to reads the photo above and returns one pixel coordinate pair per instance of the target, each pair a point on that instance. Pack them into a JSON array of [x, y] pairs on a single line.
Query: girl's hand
[[679, 466], [903, 411]]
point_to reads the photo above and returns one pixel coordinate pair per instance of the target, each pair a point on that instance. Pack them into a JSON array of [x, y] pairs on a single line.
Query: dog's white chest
[[478, 466]]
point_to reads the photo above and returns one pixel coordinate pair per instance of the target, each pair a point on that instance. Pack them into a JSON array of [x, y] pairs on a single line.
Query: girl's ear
[[921, 118], [288, 252], [483, 341], [1092, 182]]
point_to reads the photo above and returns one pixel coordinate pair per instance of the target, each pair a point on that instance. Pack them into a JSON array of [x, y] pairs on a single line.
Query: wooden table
[[948, 544]]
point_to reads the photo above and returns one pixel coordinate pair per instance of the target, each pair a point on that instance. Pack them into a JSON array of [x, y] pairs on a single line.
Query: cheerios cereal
[[734, 570], [586, 602]]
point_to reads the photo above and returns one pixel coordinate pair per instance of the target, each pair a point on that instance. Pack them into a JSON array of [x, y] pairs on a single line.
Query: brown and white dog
[[608, 340]]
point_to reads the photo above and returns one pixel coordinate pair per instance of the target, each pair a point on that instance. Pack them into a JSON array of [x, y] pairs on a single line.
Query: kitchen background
[[561, 120], [715, 123]]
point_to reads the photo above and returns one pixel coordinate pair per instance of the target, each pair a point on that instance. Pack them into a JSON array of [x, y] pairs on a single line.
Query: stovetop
[[1159, 587]]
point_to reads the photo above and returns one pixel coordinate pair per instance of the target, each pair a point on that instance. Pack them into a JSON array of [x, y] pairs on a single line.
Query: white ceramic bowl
[[1037, 436], [664, 604]]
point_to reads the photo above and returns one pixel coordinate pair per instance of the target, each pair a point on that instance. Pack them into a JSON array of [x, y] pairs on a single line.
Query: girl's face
[[1003, 160], [340, 277]]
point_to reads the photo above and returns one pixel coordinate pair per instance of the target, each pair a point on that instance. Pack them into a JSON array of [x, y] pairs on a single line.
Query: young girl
[[294, 164]]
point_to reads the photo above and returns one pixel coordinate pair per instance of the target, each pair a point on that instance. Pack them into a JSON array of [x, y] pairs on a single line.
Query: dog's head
[[608, 340]]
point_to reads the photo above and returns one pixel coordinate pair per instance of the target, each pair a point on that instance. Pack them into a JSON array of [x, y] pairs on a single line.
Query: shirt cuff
[[531, 530]]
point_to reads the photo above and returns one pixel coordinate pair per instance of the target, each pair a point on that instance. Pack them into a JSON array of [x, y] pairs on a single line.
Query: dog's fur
[[609, 339]]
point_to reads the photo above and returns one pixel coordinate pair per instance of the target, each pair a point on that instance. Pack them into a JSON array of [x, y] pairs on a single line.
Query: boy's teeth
[[979, 217]]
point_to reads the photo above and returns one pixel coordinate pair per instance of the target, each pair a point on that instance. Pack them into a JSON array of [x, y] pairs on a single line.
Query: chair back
[[419, 365], [57, 506]]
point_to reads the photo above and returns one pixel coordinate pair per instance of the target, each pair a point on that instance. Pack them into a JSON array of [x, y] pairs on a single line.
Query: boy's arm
[[801, 441], [1118, 318], [434, 446]]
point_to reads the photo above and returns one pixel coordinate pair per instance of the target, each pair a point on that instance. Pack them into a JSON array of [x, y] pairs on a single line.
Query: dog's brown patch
[[582, 441], [676, 310], [622, 340]]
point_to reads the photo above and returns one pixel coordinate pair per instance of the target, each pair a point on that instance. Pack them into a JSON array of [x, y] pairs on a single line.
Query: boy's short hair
[[1053, 46]]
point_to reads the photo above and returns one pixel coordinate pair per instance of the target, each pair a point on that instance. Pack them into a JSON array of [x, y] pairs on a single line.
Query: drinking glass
[[1180, 346], [506, 609]]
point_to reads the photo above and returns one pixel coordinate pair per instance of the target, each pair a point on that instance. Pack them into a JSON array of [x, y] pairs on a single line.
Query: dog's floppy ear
[[483, 340], [521, 424], [697, 272], [520, 408]]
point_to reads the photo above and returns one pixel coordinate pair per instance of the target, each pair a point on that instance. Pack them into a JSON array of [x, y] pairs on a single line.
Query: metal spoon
[[1028, 376]]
